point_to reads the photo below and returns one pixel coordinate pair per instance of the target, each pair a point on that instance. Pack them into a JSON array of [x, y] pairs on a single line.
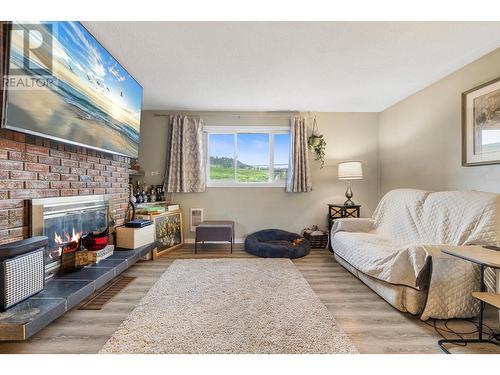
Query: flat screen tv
[[64, 85]]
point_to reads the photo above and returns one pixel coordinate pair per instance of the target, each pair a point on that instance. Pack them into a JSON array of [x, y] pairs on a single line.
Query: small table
[[214, 230], [339, 211], [485, 258]]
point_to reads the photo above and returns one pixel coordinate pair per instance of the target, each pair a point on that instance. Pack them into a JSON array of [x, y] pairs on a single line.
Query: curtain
[[185, 169], [299, 175]]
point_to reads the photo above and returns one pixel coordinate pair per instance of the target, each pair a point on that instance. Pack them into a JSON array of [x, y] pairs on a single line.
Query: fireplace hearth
[[64, 220]]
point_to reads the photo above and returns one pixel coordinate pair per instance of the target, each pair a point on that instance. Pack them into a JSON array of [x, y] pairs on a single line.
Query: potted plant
[[317, 143]]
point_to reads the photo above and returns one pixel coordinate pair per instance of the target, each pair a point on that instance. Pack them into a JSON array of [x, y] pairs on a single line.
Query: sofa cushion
[[359, 248], [409, 216], [382, 258], [461, 218], [397, 215]]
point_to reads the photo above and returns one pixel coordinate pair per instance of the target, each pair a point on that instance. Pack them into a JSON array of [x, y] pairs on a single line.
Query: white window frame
[[271, 130]]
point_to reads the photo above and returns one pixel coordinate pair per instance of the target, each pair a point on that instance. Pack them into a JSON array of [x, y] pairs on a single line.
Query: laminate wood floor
[[373, 325]]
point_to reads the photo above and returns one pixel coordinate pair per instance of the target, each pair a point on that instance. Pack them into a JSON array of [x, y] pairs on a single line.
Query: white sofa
[[397, 252]]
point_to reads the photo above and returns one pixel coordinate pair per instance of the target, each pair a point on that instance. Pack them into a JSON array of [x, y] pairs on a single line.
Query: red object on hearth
[[70, 247], [96, 241]]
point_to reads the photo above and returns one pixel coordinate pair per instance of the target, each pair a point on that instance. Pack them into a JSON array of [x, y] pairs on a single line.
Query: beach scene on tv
[[92, 100]]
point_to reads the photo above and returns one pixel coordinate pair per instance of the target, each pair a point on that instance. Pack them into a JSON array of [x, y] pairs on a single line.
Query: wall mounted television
[[62, 84]]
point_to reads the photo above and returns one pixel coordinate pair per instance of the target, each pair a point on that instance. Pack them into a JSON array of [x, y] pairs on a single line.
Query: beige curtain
[[299, 175], [185, 170]]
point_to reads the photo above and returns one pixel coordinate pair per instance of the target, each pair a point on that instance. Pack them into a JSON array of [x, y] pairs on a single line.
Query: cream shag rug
[[230, 306]]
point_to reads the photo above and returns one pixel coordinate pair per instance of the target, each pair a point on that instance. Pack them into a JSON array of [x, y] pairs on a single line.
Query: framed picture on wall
[[481, 124]]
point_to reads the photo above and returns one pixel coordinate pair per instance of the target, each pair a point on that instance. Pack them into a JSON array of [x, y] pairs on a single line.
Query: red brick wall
[[34, 167]]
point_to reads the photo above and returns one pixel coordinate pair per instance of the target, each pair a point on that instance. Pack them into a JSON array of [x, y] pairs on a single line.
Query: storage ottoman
[[214, 230]]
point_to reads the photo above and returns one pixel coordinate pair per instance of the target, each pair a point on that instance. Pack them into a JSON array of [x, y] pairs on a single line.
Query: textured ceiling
[[306, 66]]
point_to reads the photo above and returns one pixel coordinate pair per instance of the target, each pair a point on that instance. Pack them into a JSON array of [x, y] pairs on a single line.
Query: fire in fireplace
[[67, 249], [64, 220], [74, 238]]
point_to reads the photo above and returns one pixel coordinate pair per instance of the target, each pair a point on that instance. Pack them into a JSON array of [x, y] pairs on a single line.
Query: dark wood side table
[[485, 258], [339, 211]]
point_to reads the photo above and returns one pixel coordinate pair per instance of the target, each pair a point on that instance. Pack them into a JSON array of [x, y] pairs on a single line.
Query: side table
[[484, 258]]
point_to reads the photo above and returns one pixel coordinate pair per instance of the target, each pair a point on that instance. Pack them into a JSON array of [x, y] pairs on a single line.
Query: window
[[247, 157]]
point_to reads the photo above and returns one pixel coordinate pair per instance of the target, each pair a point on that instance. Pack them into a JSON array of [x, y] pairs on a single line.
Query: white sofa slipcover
[[398, 254]]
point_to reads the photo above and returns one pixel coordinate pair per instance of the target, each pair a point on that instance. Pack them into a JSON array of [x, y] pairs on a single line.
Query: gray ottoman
[[214, 230]]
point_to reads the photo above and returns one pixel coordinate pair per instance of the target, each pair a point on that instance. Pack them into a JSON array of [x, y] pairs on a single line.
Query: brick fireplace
[[34, 167]]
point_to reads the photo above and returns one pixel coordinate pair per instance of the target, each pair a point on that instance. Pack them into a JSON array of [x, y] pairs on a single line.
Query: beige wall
[[348, 136], [415, 143], [420, 137]]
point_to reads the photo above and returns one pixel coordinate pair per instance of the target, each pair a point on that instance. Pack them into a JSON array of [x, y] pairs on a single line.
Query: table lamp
[[350, 170]]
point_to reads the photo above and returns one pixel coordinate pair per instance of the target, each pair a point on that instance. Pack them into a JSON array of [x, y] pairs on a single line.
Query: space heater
[[22, 271]]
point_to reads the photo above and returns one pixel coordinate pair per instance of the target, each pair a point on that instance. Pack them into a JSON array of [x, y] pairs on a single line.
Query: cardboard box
[[132, 238]]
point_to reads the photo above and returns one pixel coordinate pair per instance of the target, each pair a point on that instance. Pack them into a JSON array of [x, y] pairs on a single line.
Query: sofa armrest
[[351, 225], [451, 284]]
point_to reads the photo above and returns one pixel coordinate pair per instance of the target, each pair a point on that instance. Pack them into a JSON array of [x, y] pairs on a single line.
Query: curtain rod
[[284, 115], [173, 114], [232, 115], [170, 114]]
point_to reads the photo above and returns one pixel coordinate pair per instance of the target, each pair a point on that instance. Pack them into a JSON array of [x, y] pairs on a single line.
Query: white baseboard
[[236, 240]]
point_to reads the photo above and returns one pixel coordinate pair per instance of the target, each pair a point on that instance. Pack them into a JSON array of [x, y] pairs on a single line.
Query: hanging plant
[[317, 143]]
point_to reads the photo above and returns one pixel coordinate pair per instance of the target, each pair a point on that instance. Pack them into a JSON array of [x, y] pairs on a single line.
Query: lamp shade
[[350, 170]]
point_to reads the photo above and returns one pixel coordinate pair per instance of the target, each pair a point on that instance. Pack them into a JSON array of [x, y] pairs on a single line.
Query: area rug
[[230, 306]]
